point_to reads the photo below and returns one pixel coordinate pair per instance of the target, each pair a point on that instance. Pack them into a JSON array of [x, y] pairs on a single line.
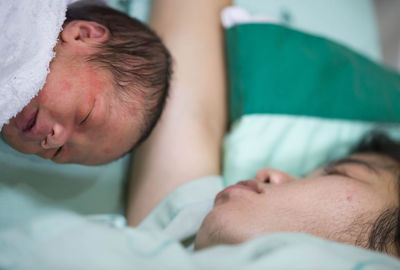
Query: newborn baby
[[105, 91]]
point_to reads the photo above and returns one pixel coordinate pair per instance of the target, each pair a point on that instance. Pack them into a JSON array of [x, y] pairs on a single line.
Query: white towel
[[29, 31]]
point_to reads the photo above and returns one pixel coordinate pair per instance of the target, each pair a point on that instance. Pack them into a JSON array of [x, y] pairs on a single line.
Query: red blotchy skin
[[95, 80], [43, 97], [66, 86], [107, 150]]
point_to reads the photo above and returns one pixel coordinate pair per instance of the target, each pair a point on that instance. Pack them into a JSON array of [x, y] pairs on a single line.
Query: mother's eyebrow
[[348, 160]]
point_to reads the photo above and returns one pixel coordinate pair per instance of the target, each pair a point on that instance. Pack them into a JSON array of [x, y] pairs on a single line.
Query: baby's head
[[104, 94]]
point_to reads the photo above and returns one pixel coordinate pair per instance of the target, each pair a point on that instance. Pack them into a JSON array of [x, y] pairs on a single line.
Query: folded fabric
[[57, 239], [28, 34]]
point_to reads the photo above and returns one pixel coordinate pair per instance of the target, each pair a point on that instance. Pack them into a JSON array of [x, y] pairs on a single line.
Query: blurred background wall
[[388, 15], [379, 41]]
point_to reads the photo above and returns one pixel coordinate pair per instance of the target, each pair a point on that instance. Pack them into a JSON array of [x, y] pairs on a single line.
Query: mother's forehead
[[387, 169], [378, 161]]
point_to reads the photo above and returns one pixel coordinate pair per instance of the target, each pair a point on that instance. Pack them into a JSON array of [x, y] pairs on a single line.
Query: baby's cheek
[[51, 97], [95, 79], [65, 86], [116, 140], [43, 97], [107, 150]]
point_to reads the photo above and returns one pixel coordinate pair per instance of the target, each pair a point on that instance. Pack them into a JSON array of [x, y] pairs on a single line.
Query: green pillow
[[297, 100], [274, 69]]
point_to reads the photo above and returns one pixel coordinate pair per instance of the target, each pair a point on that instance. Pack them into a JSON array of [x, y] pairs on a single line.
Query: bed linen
[[64, 240]]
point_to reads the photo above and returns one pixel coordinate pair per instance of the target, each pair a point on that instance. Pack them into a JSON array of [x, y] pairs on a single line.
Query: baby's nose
[[56, 138]]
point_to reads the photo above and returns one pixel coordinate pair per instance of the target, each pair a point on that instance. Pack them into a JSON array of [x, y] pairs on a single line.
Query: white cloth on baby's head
[[29, 31]]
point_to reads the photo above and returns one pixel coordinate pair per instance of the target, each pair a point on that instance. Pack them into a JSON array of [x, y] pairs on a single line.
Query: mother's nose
[[56, 138], [273, 176]]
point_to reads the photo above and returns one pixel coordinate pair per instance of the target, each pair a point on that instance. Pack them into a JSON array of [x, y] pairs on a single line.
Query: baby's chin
[[94, 160], [15, 143]]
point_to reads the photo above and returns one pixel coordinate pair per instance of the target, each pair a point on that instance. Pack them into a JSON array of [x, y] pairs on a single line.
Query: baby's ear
[[84, 34]]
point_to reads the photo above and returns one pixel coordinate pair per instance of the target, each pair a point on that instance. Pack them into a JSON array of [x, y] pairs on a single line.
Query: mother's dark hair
[[384, 234]]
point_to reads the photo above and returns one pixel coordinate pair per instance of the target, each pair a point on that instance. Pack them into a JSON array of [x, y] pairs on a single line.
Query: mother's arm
[[186, 143]]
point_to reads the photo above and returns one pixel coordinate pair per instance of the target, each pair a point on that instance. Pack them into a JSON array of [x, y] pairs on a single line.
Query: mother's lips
[[250, 185]]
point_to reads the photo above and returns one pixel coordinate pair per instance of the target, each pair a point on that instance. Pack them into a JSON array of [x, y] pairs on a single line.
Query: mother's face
[[333, 202]]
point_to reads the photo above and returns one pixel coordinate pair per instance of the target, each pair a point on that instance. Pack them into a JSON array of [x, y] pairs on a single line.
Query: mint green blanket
[[54, 239]]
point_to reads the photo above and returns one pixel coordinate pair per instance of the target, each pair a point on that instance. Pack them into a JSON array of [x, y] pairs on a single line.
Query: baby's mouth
[[31, 123]]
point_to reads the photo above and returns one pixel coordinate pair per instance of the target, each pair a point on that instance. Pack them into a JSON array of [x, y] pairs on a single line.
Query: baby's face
[[76, 117]]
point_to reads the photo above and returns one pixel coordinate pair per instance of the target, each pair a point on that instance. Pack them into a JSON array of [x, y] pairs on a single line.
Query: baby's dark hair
[[385, 231], [135, 56]]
